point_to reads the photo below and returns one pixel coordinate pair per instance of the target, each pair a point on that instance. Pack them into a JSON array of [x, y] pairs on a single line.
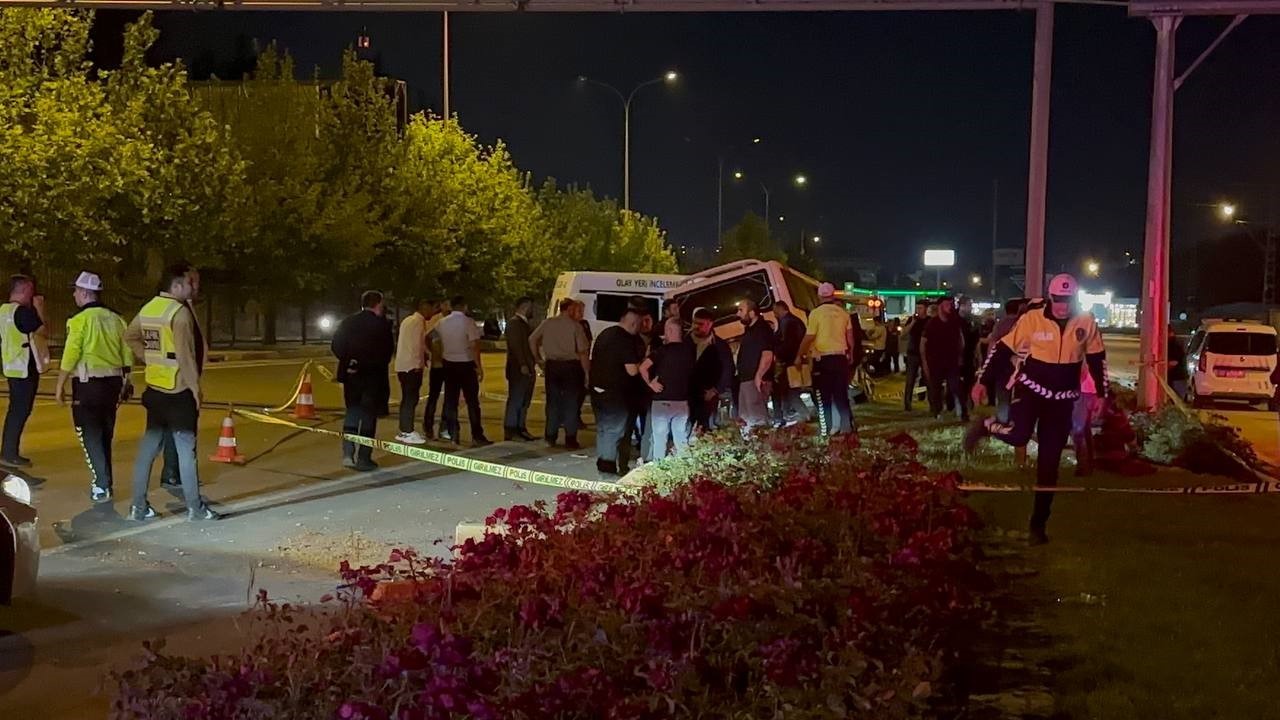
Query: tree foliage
[[295, 189]]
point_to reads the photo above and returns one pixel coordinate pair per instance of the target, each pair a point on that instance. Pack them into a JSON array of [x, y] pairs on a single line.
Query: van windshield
[[804, 294], [1241, 343], [721, 297]]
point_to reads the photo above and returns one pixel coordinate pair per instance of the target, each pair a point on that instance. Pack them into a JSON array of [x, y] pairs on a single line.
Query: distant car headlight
[[16, 488]]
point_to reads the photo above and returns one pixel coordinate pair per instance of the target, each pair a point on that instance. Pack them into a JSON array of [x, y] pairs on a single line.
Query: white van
[[606, 294], [1231, 360], [719, 289]]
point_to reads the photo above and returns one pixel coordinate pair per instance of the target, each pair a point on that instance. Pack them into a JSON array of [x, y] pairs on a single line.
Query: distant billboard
[[939, 258], [1008, 257]]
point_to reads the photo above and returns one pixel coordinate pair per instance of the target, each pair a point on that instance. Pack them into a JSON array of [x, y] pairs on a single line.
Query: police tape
[[449, 460]]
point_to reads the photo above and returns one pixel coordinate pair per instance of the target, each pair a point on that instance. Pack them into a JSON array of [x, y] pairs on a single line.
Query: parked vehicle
[[1231, 360], [19, 540], [606, 294], [721, 288]]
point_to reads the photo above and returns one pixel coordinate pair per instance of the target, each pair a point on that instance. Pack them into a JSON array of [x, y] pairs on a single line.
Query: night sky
[[901, 121]]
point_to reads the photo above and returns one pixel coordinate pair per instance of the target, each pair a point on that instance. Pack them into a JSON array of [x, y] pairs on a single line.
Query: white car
[[19, 540], [1231, 360]]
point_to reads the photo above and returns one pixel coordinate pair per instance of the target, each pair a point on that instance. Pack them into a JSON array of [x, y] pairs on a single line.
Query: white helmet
[[1063, 285]]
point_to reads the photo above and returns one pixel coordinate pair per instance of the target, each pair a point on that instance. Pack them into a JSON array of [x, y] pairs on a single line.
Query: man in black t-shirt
[[914, 332], [755, 365], [615, 364], [668, 371]]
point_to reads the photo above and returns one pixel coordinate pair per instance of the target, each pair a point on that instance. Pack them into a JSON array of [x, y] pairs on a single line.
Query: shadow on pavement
[[97, 521]]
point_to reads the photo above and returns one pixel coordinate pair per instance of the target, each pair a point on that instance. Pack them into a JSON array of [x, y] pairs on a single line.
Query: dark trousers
[[460, 377], [1051, 420], [615, 419], [519, 396], [701, 410], [831, 383], [410, 387], [435, 384], [913, 378], [565, 383], [954, 391], [93, 410], [362, 396], [22, 398], [892, 358], [782, 407]]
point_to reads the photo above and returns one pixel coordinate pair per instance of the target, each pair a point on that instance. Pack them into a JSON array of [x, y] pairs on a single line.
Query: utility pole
[[719, 200], [995, 231], [445, 74], [1037, 182], [1153, 349]]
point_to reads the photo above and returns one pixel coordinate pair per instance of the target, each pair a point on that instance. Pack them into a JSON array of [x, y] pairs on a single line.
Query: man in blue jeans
[[162, 335], [615, 363], [668, 371]]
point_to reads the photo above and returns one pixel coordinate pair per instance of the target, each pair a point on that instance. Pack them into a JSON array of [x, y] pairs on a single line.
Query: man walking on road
[[830, 339], [755, 365], [22, 333], [98, 362], [560, 347], [463, 372], [941, 353], [522, 373], [411, 361], [667, 371], [615, 365], [163, 336], [1057, 339], [362, 343], [787, 405]]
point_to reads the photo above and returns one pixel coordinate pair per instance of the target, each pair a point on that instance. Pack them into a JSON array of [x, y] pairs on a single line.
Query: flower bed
[[840, 586]]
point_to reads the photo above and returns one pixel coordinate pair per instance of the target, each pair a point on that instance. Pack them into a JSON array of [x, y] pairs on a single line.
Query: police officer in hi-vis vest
[[1052, 338], [98, 362], [26, 355], [163, 336]]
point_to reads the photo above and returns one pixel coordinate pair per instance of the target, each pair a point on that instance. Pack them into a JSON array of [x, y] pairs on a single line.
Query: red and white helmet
[[1063, 285]]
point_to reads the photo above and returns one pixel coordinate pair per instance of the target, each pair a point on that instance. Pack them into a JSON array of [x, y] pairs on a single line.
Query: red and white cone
[[227, 444], [305, 408]]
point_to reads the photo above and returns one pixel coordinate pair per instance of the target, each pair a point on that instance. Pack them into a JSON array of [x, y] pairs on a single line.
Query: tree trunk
[[269, 322]]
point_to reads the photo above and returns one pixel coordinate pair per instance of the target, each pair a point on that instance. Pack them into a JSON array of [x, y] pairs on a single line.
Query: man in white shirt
[[460, 340], [411, 359]]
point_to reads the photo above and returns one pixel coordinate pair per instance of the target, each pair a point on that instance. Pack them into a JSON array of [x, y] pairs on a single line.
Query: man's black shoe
[[607, 467], [481, 441], [551, 442], [1037, 536], [366, 465], [15, 462], [571, 443], [525, 436], [976, 433]]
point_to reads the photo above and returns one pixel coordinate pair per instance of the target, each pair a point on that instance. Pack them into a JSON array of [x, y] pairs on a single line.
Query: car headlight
[[16, 488]]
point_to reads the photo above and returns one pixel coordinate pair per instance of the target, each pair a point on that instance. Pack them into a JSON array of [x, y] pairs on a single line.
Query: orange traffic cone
[[305, 408], [227, 443]]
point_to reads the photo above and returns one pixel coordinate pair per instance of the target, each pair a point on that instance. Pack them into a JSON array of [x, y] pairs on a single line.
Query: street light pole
[[669, 76], [1039, 172]]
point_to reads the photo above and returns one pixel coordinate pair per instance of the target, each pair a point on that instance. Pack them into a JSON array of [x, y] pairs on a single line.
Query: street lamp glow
[[801, 180], [737, 175], [975, 279], [782, 218], [672, 76], [817, 239], [755, 141], [1227, 210], [1093, 267], [326, 322]]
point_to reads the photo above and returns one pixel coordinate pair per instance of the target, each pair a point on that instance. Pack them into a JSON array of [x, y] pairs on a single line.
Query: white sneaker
[[411, 438]]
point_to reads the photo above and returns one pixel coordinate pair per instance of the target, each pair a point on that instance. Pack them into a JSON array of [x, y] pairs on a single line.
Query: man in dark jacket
[[915, 331], [942, 351], [787, 405], [713, 371], [521, 372], [364, 348]]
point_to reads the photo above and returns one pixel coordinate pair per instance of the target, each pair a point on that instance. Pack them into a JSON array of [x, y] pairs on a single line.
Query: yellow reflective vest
[[16, 347], [161, 353], [95, 344], [1052, 352]]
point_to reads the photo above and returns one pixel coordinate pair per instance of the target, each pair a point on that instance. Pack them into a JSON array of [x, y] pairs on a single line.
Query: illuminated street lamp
[[801, 180], [1227, 210], [1092, 267], [975, 280], [737, 175], [669, 77]]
